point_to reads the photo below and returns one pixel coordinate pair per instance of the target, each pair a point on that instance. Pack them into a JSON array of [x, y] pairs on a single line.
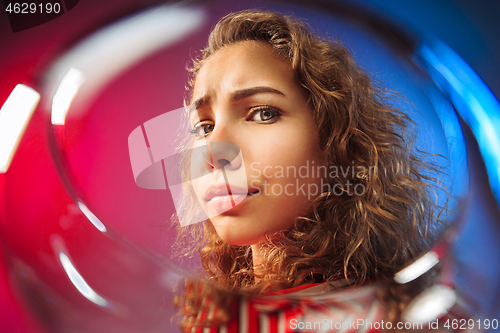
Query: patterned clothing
[[312, 308]]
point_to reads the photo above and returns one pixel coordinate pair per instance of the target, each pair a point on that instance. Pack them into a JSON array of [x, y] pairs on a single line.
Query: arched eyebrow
[[236, 96], [244, 93]]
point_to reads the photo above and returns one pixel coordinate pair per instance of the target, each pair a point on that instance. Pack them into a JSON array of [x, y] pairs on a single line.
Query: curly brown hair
[[351, 236]]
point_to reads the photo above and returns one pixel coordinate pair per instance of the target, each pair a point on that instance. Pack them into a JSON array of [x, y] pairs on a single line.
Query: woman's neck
[[257, 258]]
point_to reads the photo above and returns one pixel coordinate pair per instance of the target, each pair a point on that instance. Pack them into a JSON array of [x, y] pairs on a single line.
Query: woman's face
[[245, 96]]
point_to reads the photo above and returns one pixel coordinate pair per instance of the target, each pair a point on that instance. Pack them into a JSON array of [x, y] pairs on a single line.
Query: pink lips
[[223, 198], [224, 203]]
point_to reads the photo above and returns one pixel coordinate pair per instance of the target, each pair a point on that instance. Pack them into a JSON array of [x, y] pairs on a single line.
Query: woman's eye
[[201, 130], [265, 115]]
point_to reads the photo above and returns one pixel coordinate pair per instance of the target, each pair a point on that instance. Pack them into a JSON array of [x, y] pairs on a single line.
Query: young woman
[[333, 194]]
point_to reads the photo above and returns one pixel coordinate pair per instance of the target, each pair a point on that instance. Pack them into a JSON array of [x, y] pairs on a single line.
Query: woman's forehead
[[243, 65]]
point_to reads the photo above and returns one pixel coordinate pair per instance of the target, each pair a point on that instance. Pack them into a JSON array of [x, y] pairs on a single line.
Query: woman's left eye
[[265, 115]]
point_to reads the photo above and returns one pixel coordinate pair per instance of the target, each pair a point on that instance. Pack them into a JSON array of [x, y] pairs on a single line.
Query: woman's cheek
[[254, 187]]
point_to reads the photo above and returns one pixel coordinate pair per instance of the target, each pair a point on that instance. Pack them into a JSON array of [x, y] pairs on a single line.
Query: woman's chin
[[233, 234]]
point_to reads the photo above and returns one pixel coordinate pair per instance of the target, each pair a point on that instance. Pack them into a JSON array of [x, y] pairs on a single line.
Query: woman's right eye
[[201, 130]]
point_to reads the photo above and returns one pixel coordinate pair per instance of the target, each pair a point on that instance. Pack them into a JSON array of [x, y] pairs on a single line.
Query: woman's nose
[[218, 155]]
